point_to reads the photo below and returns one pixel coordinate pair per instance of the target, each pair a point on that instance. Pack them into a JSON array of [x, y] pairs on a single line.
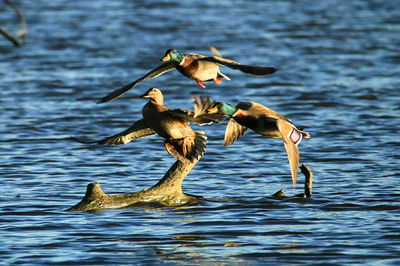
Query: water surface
[[338, 76]]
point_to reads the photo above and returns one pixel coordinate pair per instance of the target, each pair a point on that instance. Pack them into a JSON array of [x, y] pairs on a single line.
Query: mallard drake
[[264, 121], [181, 141], [194, 66]]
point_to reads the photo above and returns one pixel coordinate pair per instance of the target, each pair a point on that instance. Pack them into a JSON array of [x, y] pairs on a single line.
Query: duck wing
[[137, 130], [291, 138], [233, 132], [215, 51], [251, 70], [168, 66], [199, 115], [186, 115]]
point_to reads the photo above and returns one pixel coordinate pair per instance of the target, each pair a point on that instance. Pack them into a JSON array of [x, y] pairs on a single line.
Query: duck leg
[[175, 148], [170, 148], [184, 151], [201, 83], [217, 80]]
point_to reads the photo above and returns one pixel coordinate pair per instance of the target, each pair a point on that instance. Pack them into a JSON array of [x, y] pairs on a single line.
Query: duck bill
[[166, 58], [212, 109], [146, 96]]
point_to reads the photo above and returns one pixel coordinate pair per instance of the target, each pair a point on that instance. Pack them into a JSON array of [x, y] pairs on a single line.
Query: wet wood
[[168, 192], [15, 38], [278, 194], [307, 184]]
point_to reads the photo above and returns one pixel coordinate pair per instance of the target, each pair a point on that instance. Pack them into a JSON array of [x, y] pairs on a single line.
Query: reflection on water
[[338, 77]]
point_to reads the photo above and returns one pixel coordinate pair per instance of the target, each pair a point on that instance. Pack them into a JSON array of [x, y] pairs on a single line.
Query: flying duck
[[264, 121], [194, 66], [181, 141]]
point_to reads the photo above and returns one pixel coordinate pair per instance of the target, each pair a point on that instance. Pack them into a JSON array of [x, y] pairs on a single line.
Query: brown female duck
[[181, 141], [264, 121], [194, 66]]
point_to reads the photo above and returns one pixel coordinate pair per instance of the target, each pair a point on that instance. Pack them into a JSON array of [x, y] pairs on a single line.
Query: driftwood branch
[[19, 34], [168, 192], [307, 184]]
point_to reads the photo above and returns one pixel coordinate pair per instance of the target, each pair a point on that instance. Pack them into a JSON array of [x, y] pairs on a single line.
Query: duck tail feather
[[188, 149], [222, 75], [305, 134]]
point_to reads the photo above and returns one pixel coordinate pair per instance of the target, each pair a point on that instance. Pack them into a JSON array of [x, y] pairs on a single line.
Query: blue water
[[338, 75]]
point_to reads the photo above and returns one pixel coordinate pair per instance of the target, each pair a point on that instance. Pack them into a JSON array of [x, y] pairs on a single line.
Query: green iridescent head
[[222, 108], [172, 55]]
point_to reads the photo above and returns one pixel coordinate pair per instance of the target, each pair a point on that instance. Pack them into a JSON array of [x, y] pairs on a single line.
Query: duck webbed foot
[[175, 149], [201, 83], [217, 80]]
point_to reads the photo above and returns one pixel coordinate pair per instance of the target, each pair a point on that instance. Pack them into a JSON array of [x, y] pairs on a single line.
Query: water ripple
[[337, 76]]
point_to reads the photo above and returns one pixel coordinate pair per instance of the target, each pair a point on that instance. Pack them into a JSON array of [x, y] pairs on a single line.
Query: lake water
[[338, 75]]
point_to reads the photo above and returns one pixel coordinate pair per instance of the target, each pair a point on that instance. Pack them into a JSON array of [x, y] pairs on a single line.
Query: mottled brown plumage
[[181, 141]]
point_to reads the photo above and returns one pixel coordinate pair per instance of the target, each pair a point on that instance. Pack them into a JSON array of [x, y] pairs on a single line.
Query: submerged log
[[307, 184], [168, 192]]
